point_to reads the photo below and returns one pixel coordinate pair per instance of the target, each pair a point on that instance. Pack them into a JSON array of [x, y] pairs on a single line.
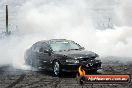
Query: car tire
[[56, 68]]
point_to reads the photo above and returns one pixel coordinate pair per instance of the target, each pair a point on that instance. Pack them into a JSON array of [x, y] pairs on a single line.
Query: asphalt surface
[[17, 78]]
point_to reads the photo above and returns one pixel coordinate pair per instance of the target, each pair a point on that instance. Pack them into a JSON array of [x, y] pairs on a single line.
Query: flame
[[81, 71]]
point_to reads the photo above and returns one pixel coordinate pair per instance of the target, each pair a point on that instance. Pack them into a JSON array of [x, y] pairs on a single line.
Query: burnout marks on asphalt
[[14, 78]]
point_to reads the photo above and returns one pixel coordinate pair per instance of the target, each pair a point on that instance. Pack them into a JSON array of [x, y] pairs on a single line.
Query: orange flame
[[81, 71]]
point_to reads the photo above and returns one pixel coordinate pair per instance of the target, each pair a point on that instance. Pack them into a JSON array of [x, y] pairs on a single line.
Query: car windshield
[[64, 46]]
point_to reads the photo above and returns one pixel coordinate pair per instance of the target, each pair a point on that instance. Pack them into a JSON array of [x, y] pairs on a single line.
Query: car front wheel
[[56, 68]]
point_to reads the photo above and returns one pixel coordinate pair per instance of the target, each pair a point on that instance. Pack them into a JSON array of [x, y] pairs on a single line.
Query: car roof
[[53, 40], [58, 40]]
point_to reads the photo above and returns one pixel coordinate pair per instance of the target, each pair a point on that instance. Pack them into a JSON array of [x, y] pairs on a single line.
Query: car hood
[[76, 54]]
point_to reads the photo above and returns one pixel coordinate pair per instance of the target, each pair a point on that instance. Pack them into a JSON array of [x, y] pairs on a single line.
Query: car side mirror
[[41, 50], [47, 51]]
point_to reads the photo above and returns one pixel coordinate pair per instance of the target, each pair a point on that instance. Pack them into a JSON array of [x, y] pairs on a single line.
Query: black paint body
[[40, 55]]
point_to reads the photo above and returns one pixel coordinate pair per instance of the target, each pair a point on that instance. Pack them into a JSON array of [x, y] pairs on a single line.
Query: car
[[60, 55]]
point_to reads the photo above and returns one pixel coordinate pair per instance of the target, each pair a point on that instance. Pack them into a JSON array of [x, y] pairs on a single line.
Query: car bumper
[[85, 66]]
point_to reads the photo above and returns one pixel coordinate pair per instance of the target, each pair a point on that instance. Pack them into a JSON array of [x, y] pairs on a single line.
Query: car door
[[44, 57], [35, 55]]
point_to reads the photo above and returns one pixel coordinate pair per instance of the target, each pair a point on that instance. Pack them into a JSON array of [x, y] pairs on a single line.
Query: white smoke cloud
[[123, 12], [69, 19]]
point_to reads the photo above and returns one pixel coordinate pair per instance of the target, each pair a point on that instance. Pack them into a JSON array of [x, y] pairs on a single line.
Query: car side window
[[36, 47], [45, 46], [41, 49]]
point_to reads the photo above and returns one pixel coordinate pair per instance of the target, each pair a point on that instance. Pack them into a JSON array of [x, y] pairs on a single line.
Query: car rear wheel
[[56, 68]]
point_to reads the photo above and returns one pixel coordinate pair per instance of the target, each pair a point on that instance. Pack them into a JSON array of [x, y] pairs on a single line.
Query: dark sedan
[[61, 55]]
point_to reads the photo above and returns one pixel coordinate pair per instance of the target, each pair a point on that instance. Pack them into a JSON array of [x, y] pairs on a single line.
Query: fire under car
[[61, 55]]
